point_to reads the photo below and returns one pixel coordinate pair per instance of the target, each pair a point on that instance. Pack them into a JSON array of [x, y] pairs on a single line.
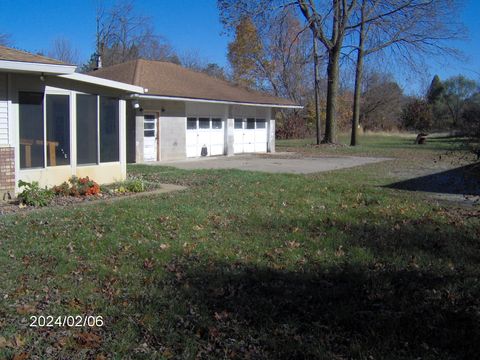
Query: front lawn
[[248, 265]]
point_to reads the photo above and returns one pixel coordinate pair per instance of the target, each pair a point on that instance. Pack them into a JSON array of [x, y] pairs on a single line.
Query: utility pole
[[317, 100]]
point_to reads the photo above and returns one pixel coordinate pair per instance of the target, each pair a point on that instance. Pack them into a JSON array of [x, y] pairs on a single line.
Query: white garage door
[[250, 135], [208, 133]]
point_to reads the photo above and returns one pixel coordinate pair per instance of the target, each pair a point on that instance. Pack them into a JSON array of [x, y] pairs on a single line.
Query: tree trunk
[[317, 100], [332, 93], [358, 90]]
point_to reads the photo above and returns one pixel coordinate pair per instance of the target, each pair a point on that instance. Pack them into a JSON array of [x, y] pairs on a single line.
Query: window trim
[[255, 119], [210, 122]]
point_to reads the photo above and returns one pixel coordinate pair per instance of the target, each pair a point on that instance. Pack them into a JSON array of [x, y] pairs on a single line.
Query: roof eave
[[34, 67], [226, 102], [104, 82]]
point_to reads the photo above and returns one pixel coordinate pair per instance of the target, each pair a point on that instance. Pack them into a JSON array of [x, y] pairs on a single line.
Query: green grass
[[250, 265], [372, 144]]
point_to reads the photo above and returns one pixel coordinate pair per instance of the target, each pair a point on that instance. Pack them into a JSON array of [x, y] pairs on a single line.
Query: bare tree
[[122, 35], [382, 103], [329, 25], [5, 39], [409, 29], [62, 50]]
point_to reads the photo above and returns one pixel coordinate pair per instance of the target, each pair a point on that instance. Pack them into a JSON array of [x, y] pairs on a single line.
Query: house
[[183, 113], [55, 123]]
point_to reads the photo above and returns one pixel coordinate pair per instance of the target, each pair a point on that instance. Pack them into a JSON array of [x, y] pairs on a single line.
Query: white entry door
[[150, 137], [205, 133], [250, 135]]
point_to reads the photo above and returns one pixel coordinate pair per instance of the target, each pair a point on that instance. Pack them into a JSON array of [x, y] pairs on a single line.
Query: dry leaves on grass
[[21, 356], [88, 340], [26, 309], [148, 264]]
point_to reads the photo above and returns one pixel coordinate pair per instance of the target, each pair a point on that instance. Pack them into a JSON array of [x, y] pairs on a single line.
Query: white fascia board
[[173, 98], [103, 82], [36, 67]]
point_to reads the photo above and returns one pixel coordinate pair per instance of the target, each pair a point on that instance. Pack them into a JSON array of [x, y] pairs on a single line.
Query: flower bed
[[75, 191]]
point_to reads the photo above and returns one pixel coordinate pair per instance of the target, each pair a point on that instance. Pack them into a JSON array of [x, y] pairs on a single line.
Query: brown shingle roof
[[168, 79], [23, 56]]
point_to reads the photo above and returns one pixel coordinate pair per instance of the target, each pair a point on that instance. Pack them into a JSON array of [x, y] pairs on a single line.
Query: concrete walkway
[[274, 163]]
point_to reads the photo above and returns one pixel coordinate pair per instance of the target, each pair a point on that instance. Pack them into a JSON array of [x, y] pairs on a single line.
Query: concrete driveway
[[275, 163]]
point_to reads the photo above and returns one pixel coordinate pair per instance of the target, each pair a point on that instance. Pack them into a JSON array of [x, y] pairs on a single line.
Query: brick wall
[[7, 172]]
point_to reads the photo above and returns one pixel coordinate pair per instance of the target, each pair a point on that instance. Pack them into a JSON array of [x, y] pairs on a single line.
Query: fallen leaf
[[148, 264], [21, 356], [339, 252], [292, 244], [88, 340], [164, 246], [4, 343], [19, 340], [26, 309]]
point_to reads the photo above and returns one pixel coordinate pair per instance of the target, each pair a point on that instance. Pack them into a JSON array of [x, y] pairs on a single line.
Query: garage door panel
[[250, 135], [208, 133]]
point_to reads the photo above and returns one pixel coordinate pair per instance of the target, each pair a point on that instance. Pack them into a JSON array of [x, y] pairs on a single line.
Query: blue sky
[[189, 25]]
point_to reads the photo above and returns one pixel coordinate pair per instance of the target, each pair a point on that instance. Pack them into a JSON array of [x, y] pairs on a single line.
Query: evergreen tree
[[435, 91]]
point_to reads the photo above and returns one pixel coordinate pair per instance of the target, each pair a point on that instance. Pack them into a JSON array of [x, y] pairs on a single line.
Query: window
[[204, 123], [97, 128], [58, 129], [250, 123], [216, 123], [31, 130], [87, 132], [191, 123], [109, 130], [261, 124], [238, 123], [149, 125]]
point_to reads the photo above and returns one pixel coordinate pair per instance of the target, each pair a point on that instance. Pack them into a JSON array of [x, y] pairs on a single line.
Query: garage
[[250, 135], [205, 133]]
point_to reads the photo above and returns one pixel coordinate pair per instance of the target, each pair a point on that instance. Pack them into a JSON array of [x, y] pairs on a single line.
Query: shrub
[[417, 115], [62, 189], [135, 185], [83, 186], [77, 187], [33, 195]]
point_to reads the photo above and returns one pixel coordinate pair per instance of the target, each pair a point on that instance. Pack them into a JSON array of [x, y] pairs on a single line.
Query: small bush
[[33, 195], [417, 115], [83, 186], [77, 187], [135, 185], [62, 189]]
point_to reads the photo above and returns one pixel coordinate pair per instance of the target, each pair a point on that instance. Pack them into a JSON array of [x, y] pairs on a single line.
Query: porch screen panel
[[109, 130], [87, 139], [58, 130], [31, 129]]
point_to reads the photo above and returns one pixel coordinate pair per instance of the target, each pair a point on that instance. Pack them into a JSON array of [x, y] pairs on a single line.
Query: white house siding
[[4, 128]]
